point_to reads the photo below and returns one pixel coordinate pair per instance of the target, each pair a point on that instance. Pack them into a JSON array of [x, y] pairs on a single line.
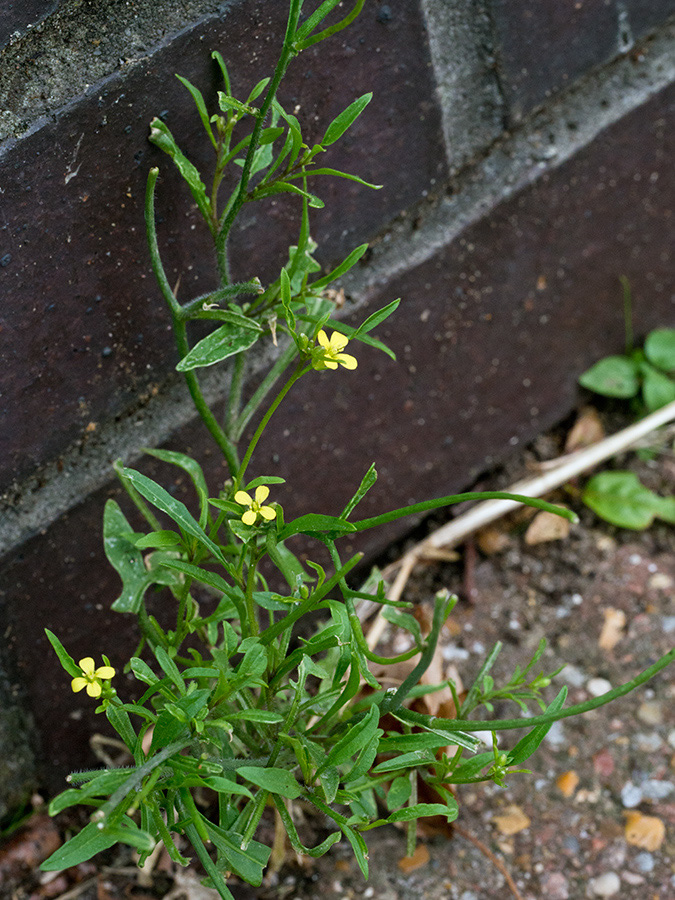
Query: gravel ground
[[597, 816]]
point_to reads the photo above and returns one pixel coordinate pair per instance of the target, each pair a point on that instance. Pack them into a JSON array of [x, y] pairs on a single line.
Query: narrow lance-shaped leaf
[[222, 343], [173, 508], [162, 138], [201, 107]]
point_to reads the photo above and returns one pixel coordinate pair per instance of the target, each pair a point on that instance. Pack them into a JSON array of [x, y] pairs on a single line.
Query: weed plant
[[239, 704]]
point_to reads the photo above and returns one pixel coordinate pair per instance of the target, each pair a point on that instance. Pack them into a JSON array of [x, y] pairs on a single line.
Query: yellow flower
[[331, 352], [91, 677], [255, 506]]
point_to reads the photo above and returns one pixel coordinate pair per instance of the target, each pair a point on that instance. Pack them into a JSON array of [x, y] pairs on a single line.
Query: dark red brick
[[491, 337], [84, 328], [544, 47]]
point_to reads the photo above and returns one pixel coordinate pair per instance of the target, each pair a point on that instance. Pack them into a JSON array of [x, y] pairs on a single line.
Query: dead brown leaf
[[612, 628], [647, 832], [546, 526], [586, 430], [511, 821], [419, 858], [567, 783], [493, 539]]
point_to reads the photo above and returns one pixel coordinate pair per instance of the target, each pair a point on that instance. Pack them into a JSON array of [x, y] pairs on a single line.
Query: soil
[[597, 816]]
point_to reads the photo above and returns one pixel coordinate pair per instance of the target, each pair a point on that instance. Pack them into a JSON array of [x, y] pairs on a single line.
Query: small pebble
[[571, 844], [596, 687], [631, 795], [452, 654], [632, 878], [651, 712], [571, 675], [555, 886], [656, 790], [468, 895], [668, 624], [644, 862], [671, 738], [556, 735], [605, 885], [647, 743]]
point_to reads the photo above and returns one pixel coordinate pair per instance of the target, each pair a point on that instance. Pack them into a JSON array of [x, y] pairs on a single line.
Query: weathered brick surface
[[492, 334], [541, 48], [83, 325], [16, 16]]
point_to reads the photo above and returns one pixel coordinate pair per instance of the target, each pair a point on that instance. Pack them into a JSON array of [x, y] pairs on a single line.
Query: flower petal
[[249, 517], [330, 364], [243, 498], [78, 683], [87, 665], [322, 338], [267, 513], [105, 672], [348, 361], [338, 341], [94, 689], [261, 493]]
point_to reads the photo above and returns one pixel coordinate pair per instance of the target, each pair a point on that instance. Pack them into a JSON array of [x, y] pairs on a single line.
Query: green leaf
[[376, 318], [161, 540], [276, 781], [142, 671], [247, 864], [347, 263], [187, 464], [172, 507], [201, 107], [87, 843], [256, 715], [222, 343], [65, 658], [613, 376], [120, 721], [620, 498], [422, 810], [413, 760], [161, 137], [660, 348], [398, 743], [125, 558], [357, 736], [338, 173], [343, 121], [285, 285], [284, 187], [227, 102], [170, 668], [399, 792], [314, 523], [527, 745], [658, 389]]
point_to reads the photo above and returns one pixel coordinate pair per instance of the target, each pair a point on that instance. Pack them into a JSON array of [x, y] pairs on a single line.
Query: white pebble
[[671, 738], [606, 885], [656, 790], [631, 795], [644, 861], [648, 743], [596, 687], [571, 675]]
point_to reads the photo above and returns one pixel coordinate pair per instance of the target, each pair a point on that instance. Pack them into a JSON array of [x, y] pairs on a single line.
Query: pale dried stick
[[570, 466]]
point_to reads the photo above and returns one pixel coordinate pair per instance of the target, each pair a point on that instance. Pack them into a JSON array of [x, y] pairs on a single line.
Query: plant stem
[[300, 370], [287, 52], [451, 725], [180, 329]]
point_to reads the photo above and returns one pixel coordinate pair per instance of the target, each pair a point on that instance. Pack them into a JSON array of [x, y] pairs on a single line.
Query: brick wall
[[527, 163]]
